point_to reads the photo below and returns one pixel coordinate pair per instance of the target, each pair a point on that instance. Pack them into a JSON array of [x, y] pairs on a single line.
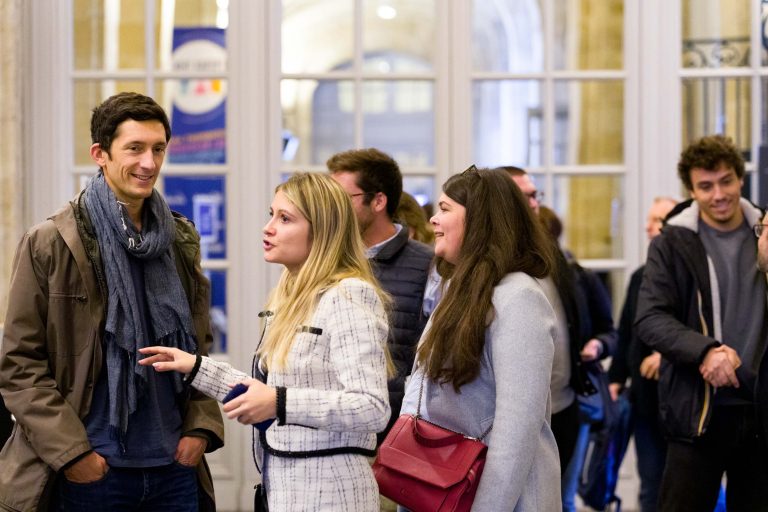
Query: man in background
[[635, 360], [702, 305], [374, 184]]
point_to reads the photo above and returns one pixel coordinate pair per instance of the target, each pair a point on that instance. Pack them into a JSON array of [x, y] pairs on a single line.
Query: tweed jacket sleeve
[[214, 377], [348, 392]]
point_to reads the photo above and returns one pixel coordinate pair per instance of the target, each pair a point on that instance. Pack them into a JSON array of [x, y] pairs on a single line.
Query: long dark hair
[[501, 235]]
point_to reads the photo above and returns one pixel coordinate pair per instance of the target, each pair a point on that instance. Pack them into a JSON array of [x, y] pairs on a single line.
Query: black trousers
[[565, 427], [731, 445]]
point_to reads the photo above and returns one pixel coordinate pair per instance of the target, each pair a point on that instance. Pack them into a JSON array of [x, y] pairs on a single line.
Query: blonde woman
[[323, 353]]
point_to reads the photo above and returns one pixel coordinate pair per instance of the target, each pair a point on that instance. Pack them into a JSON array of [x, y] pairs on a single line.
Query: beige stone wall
[[11, 186]]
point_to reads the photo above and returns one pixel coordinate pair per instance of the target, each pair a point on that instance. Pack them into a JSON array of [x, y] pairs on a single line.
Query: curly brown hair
[[709, 153]]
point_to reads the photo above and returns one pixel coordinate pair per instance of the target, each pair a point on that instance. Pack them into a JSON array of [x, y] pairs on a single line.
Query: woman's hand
[[257, 404], [164, 359]]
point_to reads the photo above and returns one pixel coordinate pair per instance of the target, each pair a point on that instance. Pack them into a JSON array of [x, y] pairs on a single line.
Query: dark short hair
[[376, 172], [116, 109], [709, 153]]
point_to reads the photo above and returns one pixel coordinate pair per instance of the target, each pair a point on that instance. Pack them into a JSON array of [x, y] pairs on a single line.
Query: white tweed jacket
[[335, 376]]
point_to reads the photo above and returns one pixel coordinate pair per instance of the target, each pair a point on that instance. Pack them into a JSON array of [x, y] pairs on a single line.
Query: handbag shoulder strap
[[426, 440]]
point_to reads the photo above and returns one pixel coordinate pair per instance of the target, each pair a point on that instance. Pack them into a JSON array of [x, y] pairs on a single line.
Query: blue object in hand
[[238, 390]]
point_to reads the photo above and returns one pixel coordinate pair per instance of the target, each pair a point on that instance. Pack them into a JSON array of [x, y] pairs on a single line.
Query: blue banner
[[198, 110]]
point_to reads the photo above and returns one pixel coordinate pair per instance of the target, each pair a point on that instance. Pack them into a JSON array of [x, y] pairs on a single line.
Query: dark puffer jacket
[[402, 268]]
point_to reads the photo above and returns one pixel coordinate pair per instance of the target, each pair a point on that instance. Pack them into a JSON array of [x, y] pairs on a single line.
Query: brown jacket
[[51, 353]]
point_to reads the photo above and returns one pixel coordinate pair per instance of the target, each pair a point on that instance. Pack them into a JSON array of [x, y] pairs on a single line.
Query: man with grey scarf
[[111, 272]]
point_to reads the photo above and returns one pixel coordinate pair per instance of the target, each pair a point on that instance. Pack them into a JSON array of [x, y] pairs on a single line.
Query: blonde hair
[[413, 215], [337, 252]]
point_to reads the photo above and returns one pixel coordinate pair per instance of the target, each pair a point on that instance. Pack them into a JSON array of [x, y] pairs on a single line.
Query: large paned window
[[723, 69], [549, 95], [360, 73]]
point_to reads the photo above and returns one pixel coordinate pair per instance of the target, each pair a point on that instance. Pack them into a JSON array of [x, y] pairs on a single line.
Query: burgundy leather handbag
[[427, 468]]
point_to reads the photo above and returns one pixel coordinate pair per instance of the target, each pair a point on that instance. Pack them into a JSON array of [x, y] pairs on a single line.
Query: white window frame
[[461, 133]]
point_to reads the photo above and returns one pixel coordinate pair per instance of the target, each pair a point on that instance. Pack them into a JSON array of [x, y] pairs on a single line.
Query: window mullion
[[548, 92], [358, 70], [758, 108], [149, 46]]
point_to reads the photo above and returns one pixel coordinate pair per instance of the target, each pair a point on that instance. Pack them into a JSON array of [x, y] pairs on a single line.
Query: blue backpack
[[608, 442]]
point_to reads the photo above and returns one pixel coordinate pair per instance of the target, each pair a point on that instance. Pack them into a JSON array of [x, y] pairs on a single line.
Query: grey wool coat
[[511, 394]]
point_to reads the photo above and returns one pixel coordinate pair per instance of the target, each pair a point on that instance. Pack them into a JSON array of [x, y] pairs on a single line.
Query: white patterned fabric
[[336, 397], [340, 483]]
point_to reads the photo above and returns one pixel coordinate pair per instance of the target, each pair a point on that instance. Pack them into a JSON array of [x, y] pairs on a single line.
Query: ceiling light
[[386, 12]]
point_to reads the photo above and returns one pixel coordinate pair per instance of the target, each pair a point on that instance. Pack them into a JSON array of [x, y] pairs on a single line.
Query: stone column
[[11, 150]]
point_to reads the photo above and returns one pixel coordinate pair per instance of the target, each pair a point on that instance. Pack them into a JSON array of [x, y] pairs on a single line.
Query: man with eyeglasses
[[526, 185], [374, 183], [585, 335], [702, 305]]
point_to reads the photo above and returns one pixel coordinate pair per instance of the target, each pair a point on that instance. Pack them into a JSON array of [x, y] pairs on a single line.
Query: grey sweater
[[522, 471]]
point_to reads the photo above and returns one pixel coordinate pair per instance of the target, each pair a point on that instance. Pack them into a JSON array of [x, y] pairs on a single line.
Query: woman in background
[[485, 357], [413, 217], [323, 351]]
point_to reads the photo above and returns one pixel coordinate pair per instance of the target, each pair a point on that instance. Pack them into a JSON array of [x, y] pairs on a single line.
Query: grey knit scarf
[[169, 312]]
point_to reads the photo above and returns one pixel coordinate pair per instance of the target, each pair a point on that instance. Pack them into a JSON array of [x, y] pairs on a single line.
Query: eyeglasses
[[536, 195], [758, 229], [352, 196]]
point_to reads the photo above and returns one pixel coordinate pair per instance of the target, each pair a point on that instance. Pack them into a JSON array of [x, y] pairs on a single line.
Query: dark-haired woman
[[485, 358]]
